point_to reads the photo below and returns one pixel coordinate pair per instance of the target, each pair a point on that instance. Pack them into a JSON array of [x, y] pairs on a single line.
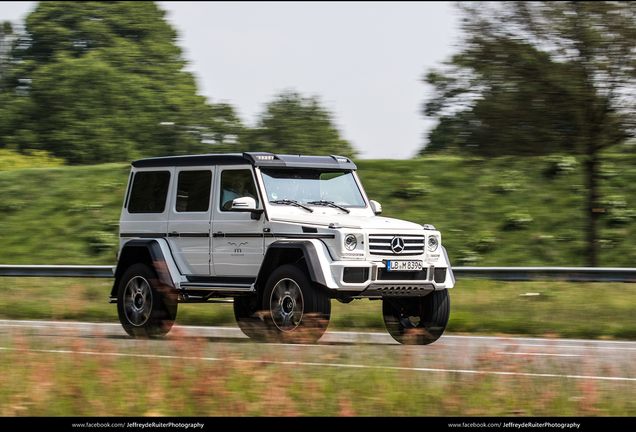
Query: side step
[[203, 292], [220, 287], [192, 291]]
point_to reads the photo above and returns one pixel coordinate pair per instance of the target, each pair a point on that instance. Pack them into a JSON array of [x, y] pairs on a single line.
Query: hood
[[348, 221]]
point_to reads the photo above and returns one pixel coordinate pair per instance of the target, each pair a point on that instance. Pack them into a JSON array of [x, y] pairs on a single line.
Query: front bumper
[[370, 279]]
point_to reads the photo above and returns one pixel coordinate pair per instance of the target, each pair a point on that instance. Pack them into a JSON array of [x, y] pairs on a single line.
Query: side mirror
[[376, 207], [246, 204]]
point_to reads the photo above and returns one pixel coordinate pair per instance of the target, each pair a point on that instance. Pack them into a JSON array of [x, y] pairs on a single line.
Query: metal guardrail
[[80, 271], [572, 274]]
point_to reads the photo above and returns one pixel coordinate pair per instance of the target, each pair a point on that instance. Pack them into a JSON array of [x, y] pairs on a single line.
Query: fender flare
[[288, 251], [451, 275], [155, 253]]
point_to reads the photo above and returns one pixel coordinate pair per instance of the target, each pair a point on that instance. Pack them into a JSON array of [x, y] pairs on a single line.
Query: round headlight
[[433, 243], [350, 242]]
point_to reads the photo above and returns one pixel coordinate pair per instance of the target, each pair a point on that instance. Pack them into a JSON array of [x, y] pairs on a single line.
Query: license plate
[[404, 265]]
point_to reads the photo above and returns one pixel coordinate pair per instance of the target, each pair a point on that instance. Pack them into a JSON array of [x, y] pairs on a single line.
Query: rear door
[[189, 220]]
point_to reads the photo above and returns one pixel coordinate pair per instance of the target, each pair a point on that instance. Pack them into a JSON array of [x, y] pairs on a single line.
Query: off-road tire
[[417, 320], [295, 309], [250, 319], [146, 308]]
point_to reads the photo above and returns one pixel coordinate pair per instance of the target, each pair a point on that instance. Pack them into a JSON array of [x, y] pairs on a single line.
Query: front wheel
[[296, 310], [249, 317], [145, 307], [417, 320]]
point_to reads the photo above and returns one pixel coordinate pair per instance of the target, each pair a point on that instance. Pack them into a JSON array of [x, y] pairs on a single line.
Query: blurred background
[[526, 158], [509, 126]]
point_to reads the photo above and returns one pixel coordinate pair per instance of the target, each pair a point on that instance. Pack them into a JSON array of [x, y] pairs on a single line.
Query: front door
[[237, 238]]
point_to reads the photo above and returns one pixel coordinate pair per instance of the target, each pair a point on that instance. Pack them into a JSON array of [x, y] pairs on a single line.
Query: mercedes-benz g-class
[[280, 236]]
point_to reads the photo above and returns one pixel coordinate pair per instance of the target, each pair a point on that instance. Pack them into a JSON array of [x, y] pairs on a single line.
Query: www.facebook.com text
[[518, 425], [139, 425]]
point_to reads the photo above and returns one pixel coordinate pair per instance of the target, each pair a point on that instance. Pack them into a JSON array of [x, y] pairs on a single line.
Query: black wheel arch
[[302, 253], [144, 251]]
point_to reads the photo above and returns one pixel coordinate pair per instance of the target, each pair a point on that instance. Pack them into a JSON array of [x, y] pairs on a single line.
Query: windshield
[[312, 187]]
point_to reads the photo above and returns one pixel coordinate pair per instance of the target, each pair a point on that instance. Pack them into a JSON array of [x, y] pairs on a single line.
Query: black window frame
[[251, 189], [147, 198], [186, 196]]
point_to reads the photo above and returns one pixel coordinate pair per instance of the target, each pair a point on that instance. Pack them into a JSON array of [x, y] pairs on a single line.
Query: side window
[[236, 184], [193, 191], [149, 192]]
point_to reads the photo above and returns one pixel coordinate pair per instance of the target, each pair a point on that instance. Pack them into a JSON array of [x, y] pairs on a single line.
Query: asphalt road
[[457, 354]]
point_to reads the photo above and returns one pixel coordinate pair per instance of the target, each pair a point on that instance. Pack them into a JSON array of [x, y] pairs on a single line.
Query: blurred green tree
[[539, 78], [102, 81], [6, 33], [294, 124]]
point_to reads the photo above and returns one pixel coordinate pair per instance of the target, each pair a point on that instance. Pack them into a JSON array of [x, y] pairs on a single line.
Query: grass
[[63, 215], [491, 212], [497, 212], [93, 377], [555, 309], [509, 211]]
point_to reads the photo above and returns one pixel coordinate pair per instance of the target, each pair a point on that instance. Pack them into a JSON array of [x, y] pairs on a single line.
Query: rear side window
[[193, 191], [149, 192]]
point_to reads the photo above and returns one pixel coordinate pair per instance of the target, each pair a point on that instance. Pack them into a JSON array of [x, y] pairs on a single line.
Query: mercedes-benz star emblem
[[397, 245]]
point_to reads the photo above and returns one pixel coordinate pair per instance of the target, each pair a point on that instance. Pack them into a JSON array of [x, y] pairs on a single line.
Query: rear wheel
[[146, 308], [417, 320], [296, 310]]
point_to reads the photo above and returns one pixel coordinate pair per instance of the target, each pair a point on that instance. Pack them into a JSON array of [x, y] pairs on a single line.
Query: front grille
[[380, 244]]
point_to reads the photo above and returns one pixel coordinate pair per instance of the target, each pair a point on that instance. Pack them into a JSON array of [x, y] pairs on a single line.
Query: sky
[[364, 61]]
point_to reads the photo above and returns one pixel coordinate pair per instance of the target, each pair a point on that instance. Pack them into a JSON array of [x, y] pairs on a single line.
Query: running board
[[221, 287]]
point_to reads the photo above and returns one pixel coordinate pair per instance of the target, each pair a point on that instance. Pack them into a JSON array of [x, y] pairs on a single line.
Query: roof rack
[[253, 158]]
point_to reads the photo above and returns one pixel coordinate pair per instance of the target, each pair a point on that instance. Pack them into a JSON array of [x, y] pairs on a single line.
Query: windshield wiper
[[330, 204], [291, 202]]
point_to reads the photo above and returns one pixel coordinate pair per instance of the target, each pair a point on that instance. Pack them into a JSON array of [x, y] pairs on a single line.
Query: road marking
[[538, 354], [293, 363], [573, 346], [547, 341]]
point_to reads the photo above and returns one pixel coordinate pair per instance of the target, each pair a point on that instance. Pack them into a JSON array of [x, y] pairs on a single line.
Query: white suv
[[279, 235]]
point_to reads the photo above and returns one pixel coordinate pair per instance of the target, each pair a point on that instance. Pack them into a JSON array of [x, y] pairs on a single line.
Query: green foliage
[[498, 212], [293, 124], [559, 165], [69, 215], [61, 215], [6, 34], [505, 211], [10, 160], [537, 78], [95, 82]]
